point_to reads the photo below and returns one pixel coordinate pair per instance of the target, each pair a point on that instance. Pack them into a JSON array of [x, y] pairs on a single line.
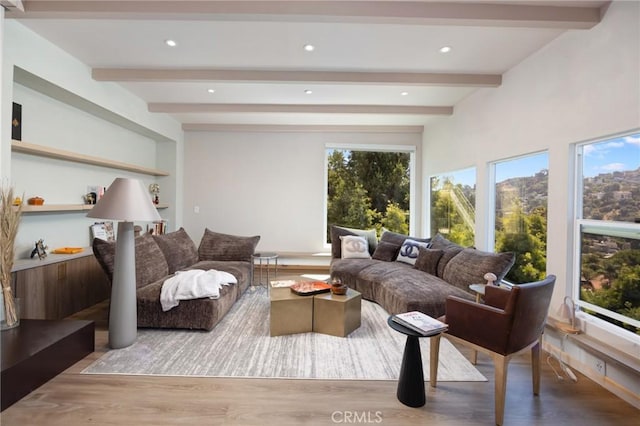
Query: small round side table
[[267, 257], [478, 289], [411, 382]]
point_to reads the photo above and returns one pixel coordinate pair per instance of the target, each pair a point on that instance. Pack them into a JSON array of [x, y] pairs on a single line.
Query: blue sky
[[521, 167], [618, 154]]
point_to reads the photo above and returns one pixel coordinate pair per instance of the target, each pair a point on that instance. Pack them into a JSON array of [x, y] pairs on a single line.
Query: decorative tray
[[307, 288]]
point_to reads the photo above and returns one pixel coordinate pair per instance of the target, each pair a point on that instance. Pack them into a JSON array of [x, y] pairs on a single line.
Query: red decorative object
[[307, 288]]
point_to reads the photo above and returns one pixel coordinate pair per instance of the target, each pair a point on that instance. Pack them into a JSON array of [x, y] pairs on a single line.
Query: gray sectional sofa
[[442, 268], [158, 257]]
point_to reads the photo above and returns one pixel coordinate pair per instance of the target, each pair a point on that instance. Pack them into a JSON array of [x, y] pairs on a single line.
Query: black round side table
[[411, 382]]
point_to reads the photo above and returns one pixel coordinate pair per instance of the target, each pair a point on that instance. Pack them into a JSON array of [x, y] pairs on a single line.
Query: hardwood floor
[[75, 399]]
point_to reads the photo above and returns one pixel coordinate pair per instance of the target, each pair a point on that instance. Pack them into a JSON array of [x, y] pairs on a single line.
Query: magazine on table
[[419, 322]]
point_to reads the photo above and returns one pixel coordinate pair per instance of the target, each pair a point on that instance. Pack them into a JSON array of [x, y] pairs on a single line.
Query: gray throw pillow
[[450, 248], [178, 248], [470, 265], [217, 246], [428, 260], [151, 264], [398, 239], [386, 251]]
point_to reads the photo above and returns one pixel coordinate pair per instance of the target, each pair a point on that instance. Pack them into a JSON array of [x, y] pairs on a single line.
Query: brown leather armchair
[[509, 322]]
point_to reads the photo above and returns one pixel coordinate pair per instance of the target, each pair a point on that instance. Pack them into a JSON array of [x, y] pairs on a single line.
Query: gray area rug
[[240, 346]]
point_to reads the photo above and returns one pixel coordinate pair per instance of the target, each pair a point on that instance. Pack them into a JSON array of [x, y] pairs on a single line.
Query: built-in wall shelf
[[44, 151], [52, 208]]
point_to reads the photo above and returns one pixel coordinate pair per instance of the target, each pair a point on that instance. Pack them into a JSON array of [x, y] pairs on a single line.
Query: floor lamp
[[125, 201]]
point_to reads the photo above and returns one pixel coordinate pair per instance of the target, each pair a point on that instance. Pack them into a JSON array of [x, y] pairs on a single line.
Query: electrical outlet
[[599, 366], [196, 209]]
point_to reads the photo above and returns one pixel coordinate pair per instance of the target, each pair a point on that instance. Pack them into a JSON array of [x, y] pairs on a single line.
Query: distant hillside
[[613, 196], [531, 190], [608, 196]]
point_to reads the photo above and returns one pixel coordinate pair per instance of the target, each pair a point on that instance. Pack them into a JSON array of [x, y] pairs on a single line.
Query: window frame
[[492, 198], [410, 149], [577, 155]]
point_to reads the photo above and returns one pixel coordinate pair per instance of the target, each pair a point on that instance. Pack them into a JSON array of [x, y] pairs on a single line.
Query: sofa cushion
[[386, 251], [346, 270], [217, 246], [470, 265], [150, 262], [428, 259], [398, 239], [178, 248], [408, 289], [450, 248], [409, 251], [199, 314], [339, 231], [354, 247]]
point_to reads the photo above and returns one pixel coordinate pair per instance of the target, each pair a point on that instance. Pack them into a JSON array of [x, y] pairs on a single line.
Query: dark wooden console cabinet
[[38, 350], [57, 289]]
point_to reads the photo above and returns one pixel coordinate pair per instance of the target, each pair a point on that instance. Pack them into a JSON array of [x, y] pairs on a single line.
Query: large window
[[452, 210], [369, 188], [608, 230], [521, 189]]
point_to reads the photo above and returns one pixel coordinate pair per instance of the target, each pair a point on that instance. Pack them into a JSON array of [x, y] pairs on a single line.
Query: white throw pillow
[[409, 251], [354, 247]]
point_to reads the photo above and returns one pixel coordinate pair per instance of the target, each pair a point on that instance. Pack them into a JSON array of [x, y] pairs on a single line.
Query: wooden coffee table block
[[337, 315], [290, 313]]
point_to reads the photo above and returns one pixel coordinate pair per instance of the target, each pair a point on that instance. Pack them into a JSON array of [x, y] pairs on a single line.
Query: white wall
[[267, 184], [50, 122], [581, 86]]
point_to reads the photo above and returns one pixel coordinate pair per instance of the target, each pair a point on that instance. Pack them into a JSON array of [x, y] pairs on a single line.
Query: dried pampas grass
[[9, 222]]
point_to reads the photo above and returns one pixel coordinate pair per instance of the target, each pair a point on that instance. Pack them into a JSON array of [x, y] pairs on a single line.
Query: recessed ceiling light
[[309, 47], [404, 93], [171, 43], [308, 91], [445, 49], [211, 90]]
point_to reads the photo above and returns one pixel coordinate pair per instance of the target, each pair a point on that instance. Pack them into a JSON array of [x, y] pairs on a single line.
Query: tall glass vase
[[4, 325]]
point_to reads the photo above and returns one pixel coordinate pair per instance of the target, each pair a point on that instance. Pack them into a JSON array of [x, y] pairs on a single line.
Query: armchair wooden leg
[[434, 350], [501, 364], [474, 357], [535, 367]]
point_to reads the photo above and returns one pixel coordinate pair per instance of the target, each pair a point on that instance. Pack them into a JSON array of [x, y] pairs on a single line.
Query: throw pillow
[[409, 251], [217, 246], [395, 238], [427, 260], [151, 264], [354, 247], [337, 231], [386, 251], [470, 265], [178, 248], [450, 248]]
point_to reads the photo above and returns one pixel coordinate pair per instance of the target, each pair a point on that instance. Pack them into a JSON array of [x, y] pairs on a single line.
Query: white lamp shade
[[125, 200]]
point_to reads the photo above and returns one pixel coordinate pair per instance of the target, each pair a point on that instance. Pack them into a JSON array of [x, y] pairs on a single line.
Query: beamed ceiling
[[243, 65]]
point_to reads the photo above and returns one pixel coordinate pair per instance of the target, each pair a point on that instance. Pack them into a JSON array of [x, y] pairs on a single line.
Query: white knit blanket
[[193, 284]]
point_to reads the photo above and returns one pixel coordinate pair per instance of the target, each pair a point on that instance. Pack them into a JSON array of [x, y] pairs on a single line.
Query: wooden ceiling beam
[[508, 13], [272, 76], [177, 108], [304, 128]]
